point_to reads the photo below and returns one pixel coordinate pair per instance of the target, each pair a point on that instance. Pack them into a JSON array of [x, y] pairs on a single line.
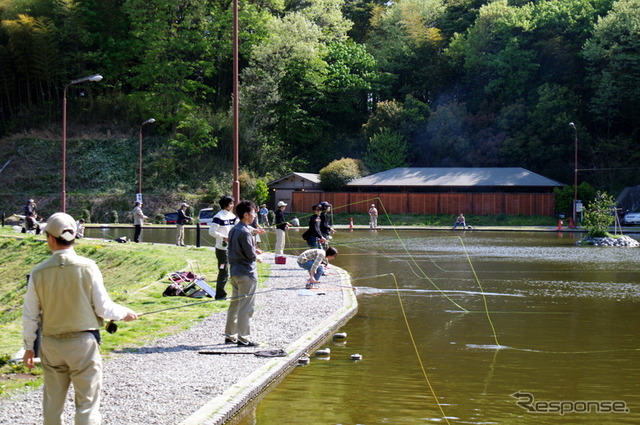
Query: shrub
[[599, 215], [338, 173], [113, 217], [86, 215]]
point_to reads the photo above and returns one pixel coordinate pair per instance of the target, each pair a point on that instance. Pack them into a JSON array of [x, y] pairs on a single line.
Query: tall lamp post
[[95, 78], [149, 121], [236, 125], [575, 174]]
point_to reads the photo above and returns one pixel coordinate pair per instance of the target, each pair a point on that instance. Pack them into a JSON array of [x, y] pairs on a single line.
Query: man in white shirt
[[222, 222], [67, 297]]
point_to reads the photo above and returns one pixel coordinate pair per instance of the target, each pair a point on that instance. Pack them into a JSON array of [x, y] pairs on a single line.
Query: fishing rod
[[112, 326]]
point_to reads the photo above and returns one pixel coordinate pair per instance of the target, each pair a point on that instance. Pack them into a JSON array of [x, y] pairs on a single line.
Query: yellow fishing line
[[406, 250], [415, 349], [484, 298]]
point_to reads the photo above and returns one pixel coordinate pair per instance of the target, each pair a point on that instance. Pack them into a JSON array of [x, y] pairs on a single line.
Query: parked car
[[631, 218], [205, 216], [171, 218]]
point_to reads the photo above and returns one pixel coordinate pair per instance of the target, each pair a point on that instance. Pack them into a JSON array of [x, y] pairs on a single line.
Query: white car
[[205, 216], [631, 218]]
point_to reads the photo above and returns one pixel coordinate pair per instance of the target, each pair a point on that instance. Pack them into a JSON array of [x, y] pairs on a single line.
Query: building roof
[[453, 177], [311, 177]]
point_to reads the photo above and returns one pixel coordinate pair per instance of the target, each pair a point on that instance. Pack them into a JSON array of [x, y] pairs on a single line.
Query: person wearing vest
[[67, 298]]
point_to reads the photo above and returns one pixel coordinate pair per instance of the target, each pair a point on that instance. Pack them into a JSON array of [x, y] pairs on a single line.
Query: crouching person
[[315, 261], [67, 297]]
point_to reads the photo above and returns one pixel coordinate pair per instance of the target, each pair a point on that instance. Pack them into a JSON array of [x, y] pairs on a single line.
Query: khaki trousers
[[280, 234], [179, 234], [241, 307], [73, 357]]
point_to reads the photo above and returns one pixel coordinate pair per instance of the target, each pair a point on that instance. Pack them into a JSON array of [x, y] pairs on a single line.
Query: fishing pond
[[471, 327], [475, 328]]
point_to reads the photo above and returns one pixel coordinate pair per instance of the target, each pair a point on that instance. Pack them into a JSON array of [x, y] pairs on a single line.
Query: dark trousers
[[223, 273], [137, 232]]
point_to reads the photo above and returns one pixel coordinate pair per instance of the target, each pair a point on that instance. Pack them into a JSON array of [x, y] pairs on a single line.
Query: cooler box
[[281, 260]]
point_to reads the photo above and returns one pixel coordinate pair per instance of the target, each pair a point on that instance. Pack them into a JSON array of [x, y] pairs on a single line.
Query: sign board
[[139, 197], [578, 206]]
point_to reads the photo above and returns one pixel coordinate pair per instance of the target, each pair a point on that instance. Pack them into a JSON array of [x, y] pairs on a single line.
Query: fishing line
[[417, 352], [484, 298], [404, 247], [112, 327]]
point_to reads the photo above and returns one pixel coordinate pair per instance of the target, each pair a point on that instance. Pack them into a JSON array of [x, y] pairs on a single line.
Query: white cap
[[61, 225], [184, 204], [282, 204]]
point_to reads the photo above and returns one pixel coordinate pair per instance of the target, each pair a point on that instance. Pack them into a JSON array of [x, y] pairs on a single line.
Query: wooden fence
[[430, 203]]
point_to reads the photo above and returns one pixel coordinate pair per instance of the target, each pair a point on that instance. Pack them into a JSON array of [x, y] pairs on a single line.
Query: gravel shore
[[168, 381]]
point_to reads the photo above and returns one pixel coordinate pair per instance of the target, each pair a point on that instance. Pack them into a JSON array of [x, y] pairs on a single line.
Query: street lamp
[[95, 78], [575, 173], [149, 121], [236, 125]]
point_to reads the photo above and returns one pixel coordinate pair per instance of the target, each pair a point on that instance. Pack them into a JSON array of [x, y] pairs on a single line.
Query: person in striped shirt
[[315, 261]]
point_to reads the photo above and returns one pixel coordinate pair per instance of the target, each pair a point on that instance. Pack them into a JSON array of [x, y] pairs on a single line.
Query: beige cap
[[61, 225]]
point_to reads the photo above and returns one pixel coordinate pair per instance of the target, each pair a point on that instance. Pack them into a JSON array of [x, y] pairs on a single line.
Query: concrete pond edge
[[227, 405]]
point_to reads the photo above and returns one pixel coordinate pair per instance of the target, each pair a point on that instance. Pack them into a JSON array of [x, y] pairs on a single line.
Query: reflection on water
[[487, 315]]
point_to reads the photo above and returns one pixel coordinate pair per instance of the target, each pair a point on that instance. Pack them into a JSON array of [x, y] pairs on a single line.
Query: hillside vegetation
[[424, 83]]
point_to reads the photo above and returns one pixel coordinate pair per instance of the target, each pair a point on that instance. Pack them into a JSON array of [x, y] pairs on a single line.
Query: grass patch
[[134, 275]]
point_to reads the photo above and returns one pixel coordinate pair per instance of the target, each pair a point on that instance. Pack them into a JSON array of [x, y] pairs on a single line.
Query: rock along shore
[[623, 240], [169, 382]]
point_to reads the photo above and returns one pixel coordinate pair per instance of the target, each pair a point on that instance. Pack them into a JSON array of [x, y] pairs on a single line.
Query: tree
[[613, 65], [599, 215], [386, 150], [407, 44], [446, 140], [494, 53], [340, 172]]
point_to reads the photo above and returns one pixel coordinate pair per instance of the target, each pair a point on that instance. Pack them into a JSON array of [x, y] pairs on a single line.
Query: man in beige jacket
[[67, 298]]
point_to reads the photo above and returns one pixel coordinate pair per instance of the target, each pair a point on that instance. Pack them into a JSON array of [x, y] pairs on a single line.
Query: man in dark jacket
[[182, 219], [244, 277]]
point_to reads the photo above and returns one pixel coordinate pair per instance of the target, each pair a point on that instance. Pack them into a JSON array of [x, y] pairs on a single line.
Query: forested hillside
[[424, 82]]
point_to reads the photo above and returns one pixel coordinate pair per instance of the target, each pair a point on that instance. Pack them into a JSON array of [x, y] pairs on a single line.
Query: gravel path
[[166, 382]]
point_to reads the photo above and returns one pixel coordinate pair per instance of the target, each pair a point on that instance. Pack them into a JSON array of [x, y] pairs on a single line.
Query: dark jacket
[[183, 218], [281, 222], [314, 228]]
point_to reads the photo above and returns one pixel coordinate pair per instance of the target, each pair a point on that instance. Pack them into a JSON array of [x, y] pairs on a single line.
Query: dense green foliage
[[338, 173], [463, 82], [599, 215]]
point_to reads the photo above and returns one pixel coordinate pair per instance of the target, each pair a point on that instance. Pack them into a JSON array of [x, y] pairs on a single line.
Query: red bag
[[281, 260]]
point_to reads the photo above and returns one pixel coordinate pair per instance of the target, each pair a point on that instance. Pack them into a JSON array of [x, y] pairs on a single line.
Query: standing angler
[[222, 222], [244, 277], [67, 297], [181, 220]]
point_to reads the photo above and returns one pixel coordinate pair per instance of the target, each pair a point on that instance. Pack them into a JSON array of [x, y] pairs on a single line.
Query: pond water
[[474, 328]]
